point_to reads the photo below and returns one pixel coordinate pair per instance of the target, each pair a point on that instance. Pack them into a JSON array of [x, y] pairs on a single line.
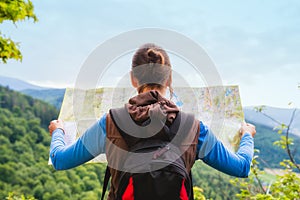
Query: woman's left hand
[[55, 124]]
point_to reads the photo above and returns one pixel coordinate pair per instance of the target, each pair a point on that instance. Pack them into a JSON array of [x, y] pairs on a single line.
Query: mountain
[[17, 84], [50, 95], [281, 115]]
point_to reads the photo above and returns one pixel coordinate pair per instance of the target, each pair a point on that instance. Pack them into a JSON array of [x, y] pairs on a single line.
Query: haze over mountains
[[282, 115], [17, 84]]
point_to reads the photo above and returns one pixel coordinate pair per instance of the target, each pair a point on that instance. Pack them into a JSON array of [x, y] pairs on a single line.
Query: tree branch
[[259, 181], [286, 135], [274, 120], [287, 141]]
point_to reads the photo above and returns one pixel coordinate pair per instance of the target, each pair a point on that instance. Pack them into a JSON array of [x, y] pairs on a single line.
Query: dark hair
[[158, 65]]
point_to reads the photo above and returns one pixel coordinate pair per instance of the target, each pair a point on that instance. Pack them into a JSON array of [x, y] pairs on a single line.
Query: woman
[[151, 76]]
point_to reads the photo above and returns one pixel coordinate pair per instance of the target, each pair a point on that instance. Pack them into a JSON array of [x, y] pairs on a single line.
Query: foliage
[[9, 49], [25, 107], [208, 179], [285, 142], [24, 147], [288, 185], [285, 186], [12, 196], [13, 10], [198, 193], [269, 154]]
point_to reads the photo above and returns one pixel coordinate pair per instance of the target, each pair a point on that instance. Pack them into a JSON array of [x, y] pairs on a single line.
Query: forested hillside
[[24, 147], [271, 155]]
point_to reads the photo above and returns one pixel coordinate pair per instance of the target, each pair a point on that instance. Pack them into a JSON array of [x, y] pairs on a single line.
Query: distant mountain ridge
[[50, 95], [18, 85], [282, 115]]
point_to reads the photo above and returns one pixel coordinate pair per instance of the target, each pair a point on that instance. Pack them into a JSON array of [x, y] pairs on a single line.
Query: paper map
[[217, 107]]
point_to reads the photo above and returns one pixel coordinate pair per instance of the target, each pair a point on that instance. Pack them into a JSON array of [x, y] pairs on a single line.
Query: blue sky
[[254, 44]]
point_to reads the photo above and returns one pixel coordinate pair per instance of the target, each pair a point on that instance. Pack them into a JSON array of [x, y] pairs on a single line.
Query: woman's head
[[151, 69]]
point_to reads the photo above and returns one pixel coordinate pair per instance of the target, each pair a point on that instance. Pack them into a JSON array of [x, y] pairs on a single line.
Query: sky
[[253, 44]]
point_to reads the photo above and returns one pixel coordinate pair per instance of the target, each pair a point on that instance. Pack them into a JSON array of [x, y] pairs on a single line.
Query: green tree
[[14, 11]]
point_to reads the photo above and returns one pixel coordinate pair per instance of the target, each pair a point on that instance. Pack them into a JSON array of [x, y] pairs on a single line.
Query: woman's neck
[[162, 91]]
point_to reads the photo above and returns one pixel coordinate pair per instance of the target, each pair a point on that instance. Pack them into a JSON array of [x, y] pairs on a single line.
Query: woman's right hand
[[248, 128]]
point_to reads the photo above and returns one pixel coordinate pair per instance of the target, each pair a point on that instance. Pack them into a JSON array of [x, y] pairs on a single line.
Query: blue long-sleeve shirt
[[209, 149]]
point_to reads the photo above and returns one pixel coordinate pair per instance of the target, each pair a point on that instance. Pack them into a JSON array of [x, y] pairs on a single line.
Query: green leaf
[[9, 50], [259, 108], [14, 11]]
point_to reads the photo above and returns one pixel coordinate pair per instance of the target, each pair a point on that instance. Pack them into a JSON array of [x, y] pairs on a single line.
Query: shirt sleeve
[[216, 155], [88, 146]]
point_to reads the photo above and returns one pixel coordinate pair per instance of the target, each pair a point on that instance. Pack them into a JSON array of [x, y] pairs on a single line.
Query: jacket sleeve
[[216, 155], [88, 146]]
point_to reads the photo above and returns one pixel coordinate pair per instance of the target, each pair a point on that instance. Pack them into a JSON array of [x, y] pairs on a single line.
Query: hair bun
[[155, 56]]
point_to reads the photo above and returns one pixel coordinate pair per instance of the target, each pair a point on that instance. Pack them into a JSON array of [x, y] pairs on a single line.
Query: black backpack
[[154, 168]]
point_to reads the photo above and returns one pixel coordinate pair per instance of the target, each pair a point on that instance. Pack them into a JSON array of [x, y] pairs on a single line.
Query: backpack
[[154, 168]]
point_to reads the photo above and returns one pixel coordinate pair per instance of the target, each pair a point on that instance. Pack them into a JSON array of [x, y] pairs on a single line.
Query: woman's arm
[[88, 146], [216, 155]]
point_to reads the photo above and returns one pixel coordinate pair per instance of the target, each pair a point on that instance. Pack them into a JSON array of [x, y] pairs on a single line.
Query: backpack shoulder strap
[[121, 118], [181, 126], [105, 182], [192, 186]]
